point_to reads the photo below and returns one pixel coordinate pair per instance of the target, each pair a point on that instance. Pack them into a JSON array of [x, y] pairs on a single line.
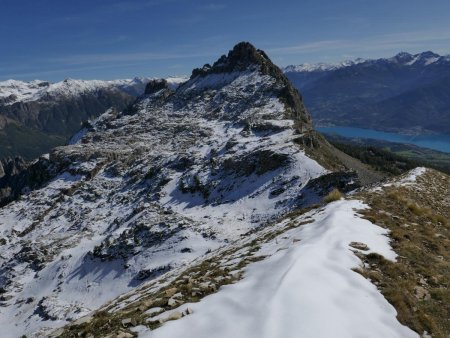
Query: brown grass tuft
[[334, 195]]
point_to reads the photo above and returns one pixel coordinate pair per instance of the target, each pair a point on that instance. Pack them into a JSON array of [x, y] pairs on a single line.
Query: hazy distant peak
[[322, 66], [403, 58]]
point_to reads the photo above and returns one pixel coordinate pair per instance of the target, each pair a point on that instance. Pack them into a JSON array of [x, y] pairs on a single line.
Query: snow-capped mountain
[[201, 201], [12, 91], [403, 93], [320, 67], [37, 116], [402, 58]]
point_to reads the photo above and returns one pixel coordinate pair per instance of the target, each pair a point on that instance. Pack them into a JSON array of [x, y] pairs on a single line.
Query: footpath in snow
[[306, 288]]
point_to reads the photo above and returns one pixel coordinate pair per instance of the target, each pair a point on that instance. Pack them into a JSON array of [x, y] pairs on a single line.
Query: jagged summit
[[244, 57], [240, 58], [423, 59]]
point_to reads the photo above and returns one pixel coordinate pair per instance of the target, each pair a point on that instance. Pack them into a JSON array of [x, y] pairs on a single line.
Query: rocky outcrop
[[154, 86], [20, 177]]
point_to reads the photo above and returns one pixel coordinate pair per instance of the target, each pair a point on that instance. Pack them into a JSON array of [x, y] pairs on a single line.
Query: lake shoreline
[[439, 142]]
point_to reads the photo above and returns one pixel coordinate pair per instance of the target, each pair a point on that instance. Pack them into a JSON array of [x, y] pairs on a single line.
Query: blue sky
[[106, 39]]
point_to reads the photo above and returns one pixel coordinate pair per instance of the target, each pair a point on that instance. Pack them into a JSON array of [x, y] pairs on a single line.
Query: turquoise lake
[[437, 142]]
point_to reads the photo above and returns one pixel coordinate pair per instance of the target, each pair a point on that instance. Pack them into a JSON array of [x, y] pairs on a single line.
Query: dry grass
[[334, 195], [418, 284]]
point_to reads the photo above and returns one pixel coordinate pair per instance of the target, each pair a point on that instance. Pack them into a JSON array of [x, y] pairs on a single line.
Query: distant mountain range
[[38, 115], [402, 93]]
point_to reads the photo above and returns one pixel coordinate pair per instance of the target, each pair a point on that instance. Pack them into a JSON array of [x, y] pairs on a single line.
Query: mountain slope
[[306, 270], [406, 92]]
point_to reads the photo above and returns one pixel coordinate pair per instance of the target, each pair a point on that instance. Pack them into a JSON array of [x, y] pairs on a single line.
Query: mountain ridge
[[378, 94], [404, 58], [38, 115]]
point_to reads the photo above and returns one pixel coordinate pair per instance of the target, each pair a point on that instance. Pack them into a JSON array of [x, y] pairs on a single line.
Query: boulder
[[127, 322], [122, 334], [421, 293]]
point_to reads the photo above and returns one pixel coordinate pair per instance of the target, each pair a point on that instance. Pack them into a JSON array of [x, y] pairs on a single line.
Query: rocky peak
[[429, 54], [181, 171], [245, 57], [403, 56], [240, 58]]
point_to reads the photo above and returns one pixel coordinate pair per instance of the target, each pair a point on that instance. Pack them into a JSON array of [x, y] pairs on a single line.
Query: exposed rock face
[[20, 177]]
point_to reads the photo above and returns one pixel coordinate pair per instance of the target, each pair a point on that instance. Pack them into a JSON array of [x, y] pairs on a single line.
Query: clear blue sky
[[106, 39]]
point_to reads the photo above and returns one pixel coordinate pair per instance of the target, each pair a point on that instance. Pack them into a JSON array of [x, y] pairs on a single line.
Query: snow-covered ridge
[[305, 288], [402, 58], [12, 91]]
